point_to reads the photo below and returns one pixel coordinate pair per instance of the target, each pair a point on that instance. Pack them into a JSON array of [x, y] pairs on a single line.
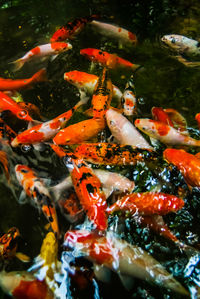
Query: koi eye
[[173, 40], [22, 114]]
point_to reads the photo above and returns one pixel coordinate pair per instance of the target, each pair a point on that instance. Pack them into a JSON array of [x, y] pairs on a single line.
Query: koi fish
[[102, 95], [44, 131], [80, 132], [10, 84], [42, 51], [36, 190], [71, 29], [121, 257], [6, 103], [147, 203], [107, 153], [8, 243], [123, 130], [160, 115], [187, 164], [86, 83], [124, 36], [164, 133], [24, 285], [197, 117], [46, 264], [129, 101], [31, 108], [111, 61], [89, 191], [183, 46], [179, 122]]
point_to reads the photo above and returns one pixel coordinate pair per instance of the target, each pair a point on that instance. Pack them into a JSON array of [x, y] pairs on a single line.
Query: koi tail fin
[[4, 162], [18, 64], [40, 76]]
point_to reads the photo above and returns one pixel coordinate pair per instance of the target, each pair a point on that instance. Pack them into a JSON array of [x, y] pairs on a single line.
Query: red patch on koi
[[132, 36], [36, 50], [162, 129]]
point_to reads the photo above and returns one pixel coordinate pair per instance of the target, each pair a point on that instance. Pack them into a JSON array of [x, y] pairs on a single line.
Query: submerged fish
[[24, 285], [147, 203], [36, 190], [111, 61], [164, 133], [129, 101], [8, 243], [121, 257], [120, 34], [188, 165], [42, 51], [71, 29], [123, 130], [183, 46], [16, 84]]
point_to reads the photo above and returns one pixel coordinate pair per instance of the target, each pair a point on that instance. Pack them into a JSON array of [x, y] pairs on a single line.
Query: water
[[162, 82]]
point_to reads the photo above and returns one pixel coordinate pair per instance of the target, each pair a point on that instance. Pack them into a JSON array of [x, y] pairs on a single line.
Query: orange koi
[[24, 285], [89, 191], [10, 84], [107, 153], [147, 203], [164, 133], [45, 131], [160, 115], [102, 95], [129, 101], [121, 257], [197, 117], [71, 29], [42, 51], [8, 243], [36, 190], [80, 132], [111, 61], [86, 83], [6, 103], [187, 164]]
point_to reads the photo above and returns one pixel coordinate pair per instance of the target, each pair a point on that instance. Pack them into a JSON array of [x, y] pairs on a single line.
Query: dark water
[[163, 82]]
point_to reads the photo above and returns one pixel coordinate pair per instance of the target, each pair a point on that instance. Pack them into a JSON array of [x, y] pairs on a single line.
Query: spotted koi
[[129, 101], [8, 243]]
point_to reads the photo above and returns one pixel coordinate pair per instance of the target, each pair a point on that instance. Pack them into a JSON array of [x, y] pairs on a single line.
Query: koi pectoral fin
[[102, 273]]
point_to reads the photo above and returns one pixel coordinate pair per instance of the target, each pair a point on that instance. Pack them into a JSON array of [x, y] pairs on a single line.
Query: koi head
[[92, 54], [23, 114], [79, 79], [177, 42], [49, 248], [59, 35], [9, 241], [21, 171], [115, 121]]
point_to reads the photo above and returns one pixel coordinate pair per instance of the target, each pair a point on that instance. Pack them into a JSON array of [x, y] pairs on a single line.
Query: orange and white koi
[[86, 83], [24, 285], [120, 34], [89, 191], [6, 103], [42, 51], [164, 133], [111, 61], [129, 101], [123, 130], [107, 153], [36, 190], [147, 203], [80, 132], [102, 95], [16, 84], [8, 243], [71, 29], [121, 257], [44, 131], [187, 164]]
